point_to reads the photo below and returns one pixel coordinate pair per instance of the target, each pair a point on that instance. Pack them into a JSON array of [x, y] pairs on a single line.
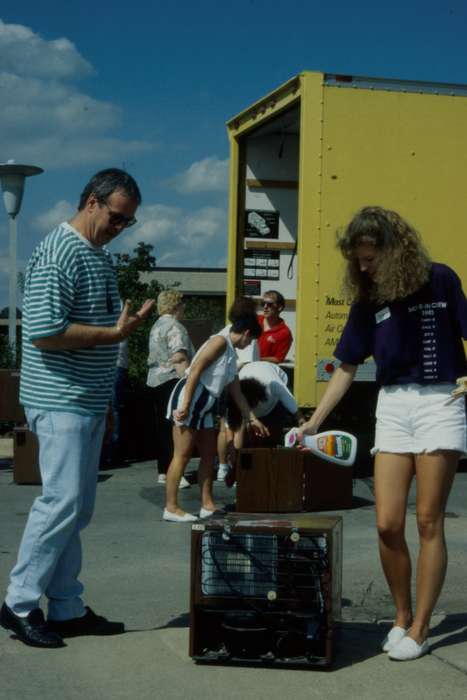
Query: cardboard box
[[25, 457]]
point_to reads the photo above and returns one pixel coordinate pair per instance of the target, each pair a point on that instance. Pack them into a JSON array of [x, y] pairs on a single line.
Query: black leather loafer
[[32, 630], [89, 624]]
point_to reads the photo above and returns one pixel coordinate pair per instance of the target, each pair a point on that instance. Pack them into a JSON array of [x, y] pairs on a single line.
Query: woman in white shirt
[[193, 409], [170, 353], [264, 385]]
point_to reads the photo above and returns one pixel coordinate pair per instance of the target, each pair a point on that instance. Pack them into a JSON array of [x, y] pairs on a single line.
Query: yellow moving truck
[[303, 160]]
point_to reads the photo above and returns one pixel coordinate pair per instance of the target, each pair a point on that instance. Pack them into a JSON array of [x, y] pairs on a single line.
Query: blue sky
[[150, 85]]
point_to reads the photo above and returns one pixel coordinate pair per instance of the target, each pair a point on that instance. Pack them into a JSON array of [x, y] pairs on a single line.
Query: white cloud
[[26, 53], [156, 223], [207, 175], [46, 106], [57, 151], [44, 118], [204, 226], [47, 220], [180, 238]]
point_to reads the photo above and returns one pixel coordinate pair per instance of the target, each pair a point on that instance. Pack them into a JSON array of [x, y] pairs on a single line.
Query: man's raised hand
[[128, 322]]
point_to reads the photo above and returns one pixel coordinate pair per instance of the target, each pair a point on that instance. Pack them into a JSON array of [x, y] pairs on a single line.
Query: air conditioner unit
[[265, 590]]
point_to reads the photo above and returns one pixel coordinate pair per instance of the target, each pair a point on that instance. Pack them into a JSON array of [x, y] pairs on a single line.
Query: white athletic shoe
[[161, 479], [174, 518], [393, 637], [222, 472], [205, 513], [408, 650], [184, 483]]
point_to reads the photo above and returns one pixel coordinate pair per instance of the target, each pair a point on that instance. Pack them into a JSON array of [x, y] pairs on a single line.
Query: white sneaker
[[161, 479], [393, 637], [205, 513], [184, 483], [222, 472], [408, 650], [174, 518]]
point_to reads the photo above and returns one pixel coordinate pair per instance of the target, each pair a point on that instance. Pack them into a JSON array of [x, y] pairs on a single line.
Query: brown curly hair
[[403, 263]]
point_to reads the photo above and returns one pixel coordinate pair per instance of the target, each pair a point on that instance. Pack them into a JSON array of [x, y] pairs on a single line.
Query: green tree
[[6, 354], [206, 307], [129, 267]]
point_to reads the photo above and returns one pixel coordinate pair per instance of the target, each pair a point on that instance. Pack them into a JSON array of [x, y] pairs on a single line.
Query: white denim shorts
[[419, 418]]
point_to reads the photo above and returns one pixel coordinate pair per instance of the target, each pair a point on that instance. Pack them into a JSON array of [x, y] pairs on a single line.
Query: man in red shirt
[[276, 338]]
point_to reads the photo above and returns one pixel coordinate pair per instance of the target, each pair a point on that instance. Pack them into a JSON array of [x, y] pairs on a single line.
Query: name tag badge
[[383, 315]]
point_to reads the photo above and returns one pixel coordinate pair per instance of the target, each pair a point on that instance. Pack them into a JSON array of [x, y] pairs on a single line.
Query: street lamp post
[[12, 177]]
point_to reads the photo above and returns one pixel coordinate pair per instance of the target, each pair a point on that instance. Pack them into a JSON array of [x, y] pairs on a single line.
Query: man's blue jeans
[[49, 558]]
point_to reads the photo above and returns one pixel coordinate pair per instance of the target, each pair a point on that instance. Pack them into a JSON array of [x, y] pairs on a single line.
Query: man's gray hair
[[105, 182]]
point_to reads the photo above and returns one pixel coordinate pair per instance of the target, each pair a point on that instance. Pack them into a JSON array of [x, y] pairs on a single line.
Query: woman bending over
[[193, 410]]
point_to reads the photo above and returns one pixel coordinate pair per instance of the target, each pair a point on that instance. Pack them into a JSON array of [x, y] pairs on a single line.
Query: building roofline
[[187, 269]]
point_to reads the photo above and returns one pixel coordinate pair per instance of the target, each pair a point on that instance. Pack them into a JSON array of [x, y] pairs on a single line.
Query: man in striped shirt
[[72, 325]]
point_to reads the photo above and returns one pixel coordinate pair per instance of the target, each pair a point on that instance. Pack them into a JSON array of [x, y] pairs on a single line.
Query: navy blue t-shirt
[[415, 339]]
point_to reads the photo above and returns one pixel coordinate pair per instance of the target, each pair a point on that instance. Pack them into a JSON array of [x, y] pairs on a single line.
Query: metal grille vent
[[259, 566]]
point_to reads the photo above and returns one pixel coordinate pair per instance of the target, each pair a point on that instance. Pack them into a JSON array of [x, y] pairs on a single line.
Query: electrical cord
[[264, 617]]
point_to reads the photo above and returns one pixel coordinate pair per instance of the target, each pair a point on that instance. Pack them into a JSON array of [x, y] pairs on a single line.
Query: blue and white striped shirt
[[68, 281]]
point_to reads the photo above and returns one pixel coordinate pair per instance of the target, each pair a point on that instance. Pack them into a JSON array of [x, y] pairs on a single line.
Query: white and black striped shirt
[[68, 281]]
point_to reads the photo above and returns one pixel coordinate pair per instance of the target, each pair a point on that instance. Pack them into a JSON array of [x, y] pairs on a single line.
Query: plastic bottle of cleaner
[[333, 445]]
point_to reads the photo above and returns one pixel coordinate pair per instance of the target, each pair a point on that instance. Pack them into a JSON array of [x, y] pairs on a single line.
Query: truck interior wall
[[274, 157]]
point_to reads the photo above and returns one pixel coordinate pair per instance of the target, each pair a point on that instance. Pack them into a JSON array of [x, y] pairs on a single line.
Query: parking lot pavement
[[136, 569]]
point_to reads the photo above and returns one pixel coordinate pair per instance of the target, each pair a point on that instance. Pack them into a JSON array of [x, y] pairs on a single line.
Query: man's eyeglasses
[[118, 219], [268, 304]]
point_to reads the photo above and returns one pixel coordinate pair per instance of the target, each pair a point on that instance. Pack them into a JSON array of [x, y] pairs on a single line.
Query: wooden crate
[[269, 480], [282, 480], [327, 486]]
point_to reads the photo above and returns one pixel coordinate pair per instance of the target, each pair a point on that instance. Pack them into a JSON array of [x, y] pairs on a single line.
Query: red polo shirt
[[276, 341]]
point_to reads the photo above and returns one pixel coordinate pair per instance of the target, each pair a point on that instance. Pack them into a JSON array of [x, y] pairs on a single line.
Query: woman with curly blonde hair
[[404, 265], [410, 314]]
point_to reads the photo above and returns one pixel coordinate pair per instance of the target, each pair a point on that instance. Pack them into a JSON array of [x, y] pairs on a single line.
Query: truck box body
[[304, 159]]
